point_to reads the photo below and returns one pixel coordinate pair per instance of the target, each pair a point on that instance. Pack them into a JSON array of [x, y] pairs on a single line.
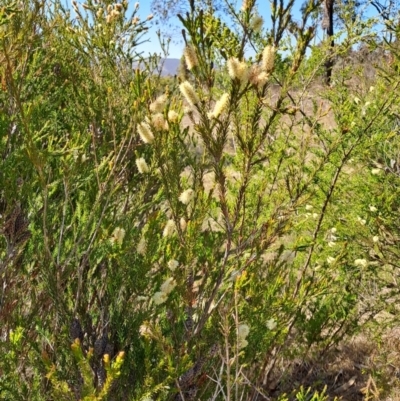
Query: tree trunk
[[327, 24]]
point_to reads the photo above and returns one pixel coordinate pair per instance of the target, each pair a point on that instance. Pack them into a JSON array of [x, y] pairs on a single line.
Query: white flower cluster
[[256, 23], [330, 260], [186, 196], [142, 166], [362, 221], [238, 69], [117, 237], [145, 132], [257, 74], [169, 229], [246, 4], [145, 330], [156, 121], [165, 289], [157, 108], [308, 213], [220, 106], [331, 237], [113, 12], [268, 59], [361, 263], [271, 324], [173, 116], [142, 246], [158, 105], [189, 93], [173, 264], [159, 122], [242, 333], [190, 57]]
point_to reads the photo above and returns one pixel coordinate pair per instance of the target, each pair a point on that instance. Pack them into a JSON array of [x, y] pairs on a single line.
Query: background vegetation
[[227, 234]]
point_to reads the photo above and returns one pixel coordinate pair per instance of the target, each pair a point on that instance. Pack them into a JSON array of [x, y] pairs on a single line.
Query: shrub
[[211, 229]]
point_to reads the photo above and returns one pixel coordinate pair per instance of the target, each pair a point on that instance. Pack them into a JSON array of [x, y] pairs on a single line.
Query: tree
[[327, 24], [167, 12]]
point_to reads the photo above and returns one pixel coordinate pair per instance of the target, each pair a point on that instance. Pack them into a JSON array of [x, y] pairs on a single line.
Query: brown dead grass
[[362, 368]]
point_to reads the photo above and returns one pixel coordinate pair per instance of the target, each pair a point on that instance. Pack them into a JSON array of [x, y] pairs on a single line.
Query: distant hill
[[170, 66]]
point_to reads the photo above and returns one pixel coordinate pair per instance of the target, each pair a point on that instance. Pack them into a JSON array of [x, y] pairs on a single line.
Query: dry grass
[[361, 368]]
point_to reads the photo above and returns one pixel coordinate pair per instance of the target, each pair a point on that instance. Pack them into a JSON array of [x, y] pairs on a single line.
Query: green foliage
[[212, 228], [86, 391], [303, 395], [307, 395]]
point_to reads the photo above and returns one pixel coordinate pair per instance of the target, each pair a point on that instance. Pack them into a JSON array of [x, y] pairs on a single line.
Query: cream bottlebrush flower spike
[[142, 246], [169, 228], [145, 133], [183, 224], [172, 264], [190, 94], [118, 235], [262, 79], [246, 5], [220, 106], [190, 57], [142, 165], [160, 297], [256, 23], [168, 285], [159, 121], [268, 58], [158, 105], [173, 116], [243, 331], [186, 196], [238, 69]]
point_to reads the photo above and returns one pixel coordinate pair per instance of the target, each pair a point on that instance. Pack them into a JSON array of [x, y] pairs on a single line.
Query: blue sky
[[176, 46], [175, 49], [152, 45], [263, 6]]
